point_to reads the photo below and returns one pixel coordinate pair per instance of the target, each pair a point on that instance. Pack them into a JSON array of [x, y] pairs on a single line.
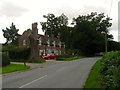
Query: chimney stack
[[34, 29]]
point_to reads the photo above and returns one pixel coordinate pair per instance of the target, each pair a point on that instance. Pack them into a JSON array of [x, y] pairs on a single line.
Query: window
[[64, 45], [40, 41], [60, 44], [48, 42], [24, 42], [54, 43], [40, 52], [60, 53]]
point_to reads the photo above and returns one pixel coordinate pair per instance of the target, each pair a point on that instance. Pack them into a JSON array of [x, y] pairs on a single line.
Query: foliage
[[71, 51], [54, 24], [94, 78], [5, 58], [110, 68], [113, 46], [67, 57], [13, 67], [39, 60], [6, 48], [11, 34], [57, 26], [87, 34], [88, 30], [20, 54]]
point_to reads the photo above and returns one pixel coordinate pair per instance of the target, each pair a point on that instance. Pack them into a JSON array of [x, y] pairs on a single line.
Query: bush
[[67, 57], [18, 54], [61, 57], [6, 48], [40, 60], [5, 59], [110, 69]]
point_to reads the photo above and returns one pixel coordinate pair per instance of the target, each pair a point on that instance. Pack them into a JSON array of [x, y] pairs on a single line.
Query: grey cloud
[[115, 25], [11, 10], [89, 9], [68, 11], [72, 12]]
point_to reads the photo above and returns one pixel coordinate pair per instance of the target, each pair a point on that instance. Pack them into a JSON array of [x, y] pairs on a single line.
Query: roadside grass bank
[[105, 73], [13, 68], [67, 58], [94, 78]]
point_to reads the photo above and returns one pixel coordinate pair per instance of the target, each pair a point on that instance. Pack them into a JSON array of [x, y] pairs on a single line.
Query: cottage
[[41, 44]]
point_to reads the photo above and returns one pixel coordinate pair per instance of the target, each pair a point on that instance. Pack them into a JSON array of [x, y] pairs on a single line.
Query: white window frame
[[48, 42], [60, 44], [40, 52]]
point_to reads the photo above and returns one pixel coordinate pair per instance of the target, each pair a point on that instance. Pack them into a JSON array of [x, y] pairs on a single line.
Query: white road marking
[[32, 81]]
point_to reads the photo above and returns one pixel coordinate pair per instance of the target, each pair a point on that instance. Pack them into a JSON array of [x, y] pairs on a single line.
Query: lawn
[[12, 68], [93, 80]]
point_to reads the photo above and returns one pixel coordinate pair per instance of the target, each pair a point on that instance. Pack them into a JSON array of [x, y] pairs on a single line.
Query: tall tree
[[89, 30], [57, 26], [54, 24], [11, 34]]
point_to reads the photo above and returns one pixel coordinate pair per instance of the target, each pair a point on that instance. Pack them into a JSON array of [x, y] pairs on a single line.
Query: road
[[68, 74]]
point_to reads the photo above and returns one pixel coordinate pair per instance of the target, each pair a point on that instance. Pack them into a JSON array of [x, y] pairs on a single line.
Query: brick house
[[40, 44]]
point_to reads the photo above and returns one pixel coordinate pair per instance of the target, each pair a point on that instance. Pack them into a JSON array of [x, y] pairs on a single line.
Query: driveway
[[69, 74]]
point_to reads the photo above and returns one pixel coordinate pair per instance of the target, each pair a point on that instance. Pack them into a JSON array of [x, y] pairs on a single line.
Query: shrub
[[110, 68], [6, 48], [39, 60], [67, 57], [20, 54], [5, 59], [62, 57]]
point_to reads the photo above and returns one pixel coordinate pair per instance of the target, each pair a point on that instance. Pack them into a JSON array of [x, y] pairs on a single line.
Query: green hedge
[[61, 57], [18, 54], [67, 57], [39, 60], [5, 59], [110, 70]]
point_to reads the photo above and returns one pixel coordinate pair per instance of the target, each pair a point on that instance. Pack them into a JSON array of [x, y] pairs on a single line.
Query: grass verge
[[70, 58], [93, 80], [12, 68]]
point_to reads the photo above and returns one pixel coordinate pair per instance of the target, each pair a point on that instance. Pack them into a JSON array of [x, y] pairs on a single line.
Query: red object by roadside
[[49, 56]]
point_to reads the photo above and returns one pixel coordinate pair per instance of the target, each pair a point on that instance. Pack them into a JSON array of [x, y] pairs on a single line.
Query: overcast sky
[[24, 12]]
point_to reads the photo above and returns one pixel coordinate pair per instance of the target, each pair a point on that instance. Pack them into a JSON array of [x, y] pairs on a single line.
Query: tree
[[113, 46], [11, 34], [54, 25], [57, 26], [88, 34]]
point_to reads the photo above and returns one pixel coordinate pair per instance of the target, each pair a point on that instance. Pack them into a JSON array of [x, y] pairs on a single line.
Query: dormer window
[[24, 42]]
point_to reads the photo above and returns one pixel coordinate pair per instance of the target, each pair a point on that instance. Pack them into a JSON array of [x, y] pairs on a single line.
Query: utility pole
[[105, 41]]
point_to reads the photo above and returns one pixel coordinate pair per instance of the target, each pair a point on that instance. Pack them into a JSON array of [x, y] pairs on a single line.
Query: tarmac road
[[68, 74]]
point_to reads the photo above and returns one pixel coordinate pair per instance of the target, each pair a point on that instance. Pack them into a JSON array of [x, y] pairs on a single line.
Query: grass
[[13, 68], [70, 58], [93, 80]]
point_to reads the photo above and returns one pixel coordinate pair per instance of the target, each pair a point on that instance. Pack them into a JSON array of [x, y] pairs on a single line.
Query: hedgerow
[[110, 70], [5, 59]]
